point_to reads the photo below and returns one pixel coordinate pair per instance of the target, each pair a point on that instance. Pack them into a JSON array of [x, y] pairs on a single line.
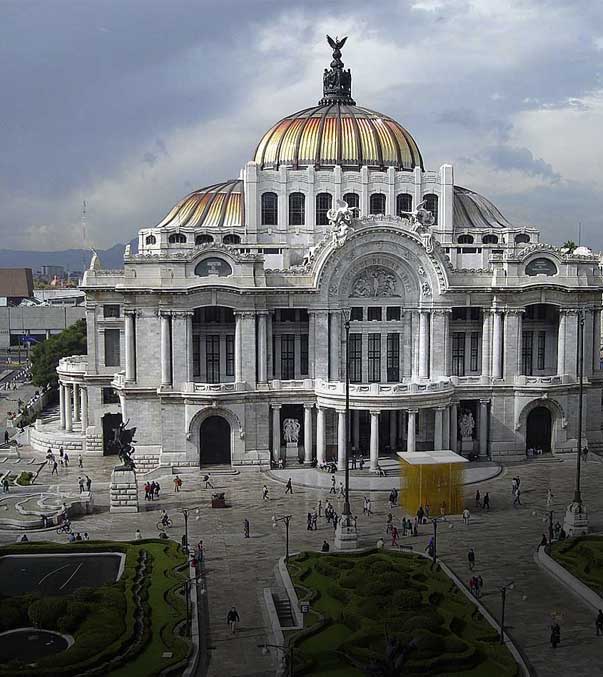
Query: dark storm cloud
[[131, 104]]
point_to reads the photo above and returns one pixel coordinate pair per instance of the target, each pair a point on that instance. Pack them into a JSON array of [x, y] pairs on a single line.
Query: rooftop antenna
[[579, 233], [84, 236]]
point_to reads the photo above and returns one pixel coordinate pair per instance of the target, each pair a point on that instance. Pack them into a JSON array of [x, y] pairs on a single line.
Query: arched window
[[177, 238], [203, 239], [269, 209], [352, 200], [490, 239], [297, 209], [522, 238], [324, 202], [231, 238], [403, 203], [377, 203], [431, 204], [150, 239], [465, 239]]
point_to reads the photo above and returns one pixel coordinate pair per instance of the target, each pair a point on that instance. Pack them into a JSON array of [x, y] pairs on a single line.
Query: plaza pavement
[[237, 569]]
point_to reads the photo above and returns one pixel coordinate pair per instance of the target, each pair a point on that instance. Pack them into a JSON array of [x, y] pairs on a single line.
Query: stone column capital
[[570, 311], [484, 402], [412, 411], [441, 311], [308, 405], [160, 312], [512, 311], [440, 409], [245, 314], [375, 412]]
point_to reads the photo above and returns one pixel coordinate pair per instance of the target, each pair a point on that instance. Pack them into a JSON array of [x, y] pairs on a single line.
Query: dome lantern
[[337, 82]]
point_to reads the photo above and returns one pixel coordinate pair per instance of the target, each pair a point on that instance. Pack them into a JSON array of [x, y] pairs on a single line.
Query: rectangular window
[[196, 356], [473, 366], [393, 358], [374, 358], [393, 313], [212, 358], [287, 315], [527, 346], [355, 357], [287, 356], [356, 314], [110, 396], [541, 350], [111, 310], [374, 314], [230, 356], [458, 353], [112, 353], [303, 357]]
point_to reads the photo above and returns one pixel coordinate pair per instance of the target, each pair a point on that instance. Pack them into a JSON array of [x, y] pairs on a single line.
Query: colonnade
[[444, 429], [73, 406]]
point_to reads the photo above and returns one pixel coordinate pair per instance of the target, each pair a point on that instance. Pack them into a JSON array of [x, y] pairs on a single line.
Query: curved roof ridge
[[473, 210]]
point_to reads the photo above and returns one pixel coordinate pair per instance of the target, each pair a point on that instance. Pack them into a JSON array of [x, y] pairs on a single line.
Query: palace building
[[232, 315]]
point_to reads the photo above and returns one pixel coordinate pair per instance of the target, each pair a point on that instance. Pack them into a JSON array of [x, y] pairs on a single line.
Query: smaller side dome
[[222, 204], [472, 210]]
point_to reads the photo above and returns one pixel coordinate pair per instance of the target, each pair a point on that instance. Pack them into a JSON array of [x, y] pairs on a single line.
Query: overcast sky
[[131, 104]]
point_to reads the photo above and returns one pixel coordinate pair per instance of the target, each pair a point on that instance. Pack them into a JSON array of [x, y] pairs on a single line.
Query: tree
[[45, 356], [570, 245]]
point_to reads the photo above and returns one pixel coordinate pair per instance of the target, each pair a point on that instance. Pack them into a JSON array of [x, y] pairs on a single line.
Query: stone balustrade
[[75, 364]]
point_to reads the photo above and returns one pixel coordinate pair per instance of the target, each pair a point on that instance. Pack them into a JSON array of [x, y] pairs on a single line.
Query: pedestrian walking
[[309, 522], [61, 454], [353, 461], [265, 496], [232, 618], [388, 523], [362, 463], [471, 558], [6, 437], [466, 516], [319, 508], [394, 537], [427, 510], [486, 504], [88, 483], [80, 463], [599, 623], [369, 507], [66, 460], [80, 481], [314, 521], [156, 489], [555, 635], [246, 528], [332, 489], [585, 454], [516, 500], [207, 480], [288, 487], [341, 490], [477, 499], [177, 483], [420, 514], [543, 542], [549, 498]]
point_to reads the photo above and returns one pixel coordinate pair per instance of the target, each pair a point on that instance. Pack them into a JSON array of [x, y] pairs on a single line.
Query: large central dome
[[338, 132]]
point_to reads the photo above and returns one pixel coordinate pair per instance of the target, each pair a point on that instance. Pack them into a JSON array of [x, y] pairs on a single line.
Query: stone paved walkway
[[238, 569]]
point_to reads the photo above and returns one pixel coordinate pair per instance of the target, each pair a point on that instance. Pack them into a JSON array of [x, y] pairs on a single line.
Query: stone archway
[[214, 441], [539, 429]]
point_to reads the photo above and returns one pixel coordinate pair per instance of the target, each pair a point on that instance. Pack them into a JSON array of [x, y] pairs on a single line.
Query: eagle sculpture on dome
[[336, 44]]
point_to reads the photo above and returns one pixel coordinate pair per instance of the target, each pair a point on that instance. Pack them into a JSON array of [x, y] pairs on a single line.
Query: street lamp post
[[286, 519], [576, 517], [503, 592], [346, 506]]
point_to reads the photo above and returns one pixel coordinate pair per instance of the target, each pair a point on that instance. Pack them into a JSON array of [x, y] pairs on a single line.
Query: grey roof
[[472, 210]]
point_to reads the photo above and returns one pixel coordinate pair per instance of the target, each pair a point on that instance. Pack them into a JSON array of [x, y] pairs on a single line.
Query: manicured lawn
[[356, 600], [138, 614], [582, 557]]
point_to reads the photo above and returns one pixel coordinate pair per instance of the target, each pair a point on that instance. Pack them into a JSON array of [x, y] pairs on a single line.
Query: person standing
[[288, 487], [5, 485], [369, 506], [246, 528], [599, 623], [477, 499], [486, 504], [516, 500], [394, 536], [466, 516], [555, 635], [265, 496], [332, 490], [177, 483], [80, 481], [471, 558], [319, 508], [6, 437], [232, 618], [66, 460], [88, 483], [80, 463], [549, 498]]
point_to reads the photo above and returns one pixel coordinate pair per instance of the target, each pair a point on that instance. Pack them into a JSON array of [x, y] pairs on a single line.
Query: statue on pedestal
[[122, 444], [466, 425], [291, 428]]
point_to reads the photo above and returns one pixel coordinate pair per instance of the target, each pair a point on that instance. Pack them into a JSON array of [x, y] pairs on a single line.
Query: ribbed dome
[[222, 204], [472, 210], [337, 133]]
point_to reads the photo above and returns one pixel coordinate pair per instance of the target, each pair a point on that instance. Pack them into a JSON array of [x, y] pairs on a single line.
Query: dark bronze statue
[[121, 444]]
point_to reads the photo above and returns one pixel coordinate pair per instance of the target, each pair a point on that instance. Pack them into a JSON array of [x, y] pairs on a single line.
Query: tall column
[[374, 445], [166, 371], [486, 343], [320, 356], [411, 441], [62, 406], [321, 446], [130, 346], [341, 441], [438, 343], [84, 408], [308, 433], [393, 430], [588, 341], [571, 341], [497, 344], [335, 345], [276, 432], [68, 410], [76, 402], [446, 429], [262, 349], [512, 344], [483, 427], [189, 343], [454, 415], [561, 342], [437, 428], [597, 338], [423, 344], [237, 350], [311, 343], [356, 426]]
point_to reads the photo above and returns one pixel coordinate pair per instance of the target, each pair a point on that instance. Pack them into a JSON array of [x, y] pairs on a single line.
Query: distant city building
[[50, 272], [16, 284], [226, 331]]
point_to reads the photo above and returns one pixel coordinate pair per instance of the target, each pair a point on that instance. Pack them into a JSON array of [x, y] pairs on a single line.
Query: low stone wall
[[42, 438]]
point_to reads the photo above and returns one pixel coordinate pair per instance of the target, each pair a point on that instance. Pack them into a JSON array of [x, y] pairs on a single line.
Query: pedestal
[[466, 444], [292, 451], [346, 537], [575, 522], [124, 490]]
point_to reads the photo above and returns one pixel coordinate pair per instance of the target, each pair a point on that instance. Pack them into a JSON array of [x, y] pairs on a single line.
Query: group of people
[[151, 490], [77, 536], [84, 484], [484, 502], [476, 584]]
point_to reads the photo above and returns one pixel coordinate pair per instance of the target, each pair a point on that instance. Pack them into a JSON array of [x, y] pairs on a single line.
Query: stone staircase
[[146, 463], [283, 610]]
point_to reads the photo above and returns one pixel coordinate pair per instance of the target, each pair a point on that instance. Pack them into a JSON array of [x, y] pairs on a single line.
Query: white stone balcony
[[75, 364], [544, 381], [384, 389], [193, 388]]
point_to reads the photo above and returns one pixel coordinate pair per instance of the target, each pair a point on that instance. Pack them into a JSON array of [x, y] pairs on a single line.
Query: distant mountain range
[[70, 259]]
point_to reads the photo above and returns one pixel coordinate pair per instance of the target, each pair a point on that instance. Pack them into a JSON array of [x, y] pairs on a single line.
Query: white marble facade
[[217, 330]]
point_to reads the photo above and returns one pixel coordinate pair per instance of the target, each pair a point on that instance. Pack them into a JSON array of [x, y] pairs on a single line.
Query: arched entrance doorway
[[214, 441], [538, 429]]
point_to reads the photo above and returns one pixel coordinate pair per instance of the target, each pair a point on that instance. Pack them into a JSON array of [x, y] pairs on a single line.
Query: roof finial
[[337, 82]]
